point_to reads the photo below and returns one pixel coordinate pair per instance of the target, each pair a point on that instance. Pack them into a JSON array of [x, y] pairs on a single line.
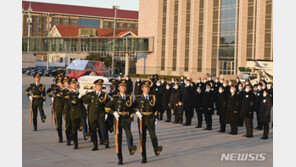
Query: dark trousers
[[94, 127], [199, 116], [259, 123], [37, 104], [188, 115], [168, 113], [240, 122], [222, 120], [75, 127], [265, 129], [148, 124], [68, 124], [59, 122], [208, 118], [178, 114], [249, 126], [234, 126], [127, 128]]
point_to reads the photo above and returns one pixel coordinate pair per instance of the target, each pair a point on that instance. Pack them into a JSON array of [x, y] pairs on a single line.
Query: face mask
[[263, 87], [126, 78], [167, 87], [162, 81], [176, 87], [216, 81], [198, 90], [138, 80], [173, 80], [224, 85], [259, 88], [187, 84], [231, 90], [198, 81], [221, 81], [204, 81], [220, 90], [208, 90], [247, 83], [264, 95], [247, 90], [240, 88], [158, 84], [229, 83], [182, 78]]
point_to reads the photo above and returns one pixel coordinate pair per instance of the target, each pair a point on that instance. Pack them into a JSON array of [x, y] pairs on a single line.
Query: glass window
[[106, 24], [56, 20], [65, 21], [74, 22]]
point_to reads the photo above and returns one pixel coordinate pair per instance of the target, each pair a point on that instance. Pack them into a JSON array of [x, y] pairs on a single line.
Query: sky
[[124, 4]]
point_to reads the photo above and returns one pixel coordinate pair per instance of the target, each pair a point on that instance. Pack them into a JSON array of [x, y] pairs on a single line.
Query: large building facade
[[39, 18], [204, 37]]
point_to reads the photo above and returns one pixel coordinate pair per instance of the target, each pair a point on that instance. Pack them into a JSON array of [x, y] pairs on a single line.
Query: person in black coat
[[221, 108], [158, 91], [188, 96], [247, 109], [258, 100], [166, 101], [198, 106], [129, 85], [175, 102], [264, 114], [208, 106], [232, 108], [240, 93], [138, 90]]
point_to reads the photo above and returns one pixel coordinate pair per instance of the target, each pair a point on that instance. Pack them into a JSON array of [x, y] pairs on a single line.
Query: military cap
[[99, 82], [66, 78], [122, 83], [73, 80], [113, 81], [36, 75], [146, 84], [60, 79]]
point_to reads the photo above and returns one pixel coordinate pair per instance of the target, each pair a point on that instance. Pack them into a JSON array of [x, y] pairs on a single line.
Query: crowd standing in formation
[[99, 113]]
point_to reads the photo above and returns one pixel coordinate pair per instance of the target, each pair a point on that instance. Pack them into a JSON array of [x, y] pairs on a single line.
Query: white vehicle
[[255, 70], [86, 84]]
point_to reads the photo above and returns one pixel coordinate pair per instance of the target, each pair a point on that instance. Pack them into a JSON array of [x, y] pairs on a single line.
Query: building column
[[127, 62]]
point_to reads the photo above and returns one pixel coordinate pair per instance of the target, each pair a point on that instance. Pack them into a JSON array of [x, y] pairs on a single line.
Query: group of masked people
[[98, 113], [234, 101]]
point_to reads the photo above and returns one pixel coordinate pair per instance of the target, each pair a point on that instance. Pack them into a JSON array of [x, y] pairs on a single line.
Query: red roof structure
[[72, 31], [79, 10]]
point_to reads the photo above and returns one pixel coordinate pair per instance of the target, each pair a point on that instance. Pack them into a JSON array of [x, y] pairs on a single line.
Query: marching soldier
[[121, 107], [145, 104], [67, 117], [96, 115], [59, 107], [37, 98], [73, 97]]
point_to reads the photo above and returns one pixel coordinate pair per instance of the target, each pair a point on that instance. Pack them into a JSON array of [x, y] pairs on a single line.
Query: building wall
[[250, 36]]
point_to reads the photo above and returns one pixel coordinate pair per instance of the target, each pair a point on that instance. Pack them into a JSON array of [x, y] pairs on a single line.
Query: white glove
[[106, 116], [139, 115], [155, 121], [80, 95], [31, 98], [52, 99], [116, 115]]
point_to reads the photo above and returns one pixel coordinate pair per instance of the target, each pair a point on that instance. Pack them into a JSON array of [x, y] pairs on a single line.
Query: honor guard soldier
[[76, 107], [66, 111], [146, 106], [96, 116], [59, 107], [37, 98], [121, 107]]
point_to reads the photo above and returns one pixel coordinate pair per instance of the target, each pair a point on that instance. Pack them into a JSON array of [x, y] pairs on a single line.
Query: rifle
[[140, 137], [51, 118], [116, 137], [31, 106]]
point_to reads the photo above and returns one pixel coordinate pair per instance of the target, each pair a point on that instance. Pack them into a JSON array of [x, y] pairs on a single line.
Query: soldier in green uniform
[[76, 106], [146, 113], [96, 116], [121, 107], [66, 110], [51, 88], [59, 107], [37, 98]]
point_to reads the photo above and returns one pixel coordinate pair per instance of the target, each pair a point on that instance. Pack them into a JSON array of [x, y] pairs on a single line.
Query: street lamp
[[114, 34]]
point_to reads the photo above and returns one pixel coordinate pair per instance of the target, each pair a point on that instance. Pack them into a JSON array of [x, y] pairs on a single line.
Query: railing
[[86, 44]]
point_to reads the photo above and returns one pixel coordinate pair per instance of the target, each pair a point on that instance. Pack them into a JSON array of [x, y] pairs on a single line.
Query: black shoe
[[198, 126], [174, 122], [144, 161], [68, 143], [95, 148], [260, 129], [120, 162], [133, 150], [167, 121], [234, 133], [101, 143], [207, 129], [60, 140], [256, 127], [107, 146], [230, 133], [43, 119], [264, 138], [221, 131], [159, 149], [76, 146], [35, 129]]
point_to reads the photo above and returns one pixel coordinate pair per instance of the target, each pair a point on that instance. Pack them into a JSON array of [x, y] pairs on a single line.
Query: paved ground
[[183, 146]]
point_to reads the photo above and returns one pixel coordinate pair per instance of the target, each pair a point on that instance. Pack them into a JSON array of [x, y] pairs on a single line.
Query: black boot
[[95, 141], [75, 141], [60, 134], [144, 158], [68, 138], [157, 149], [132, 148], [120, 161]]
